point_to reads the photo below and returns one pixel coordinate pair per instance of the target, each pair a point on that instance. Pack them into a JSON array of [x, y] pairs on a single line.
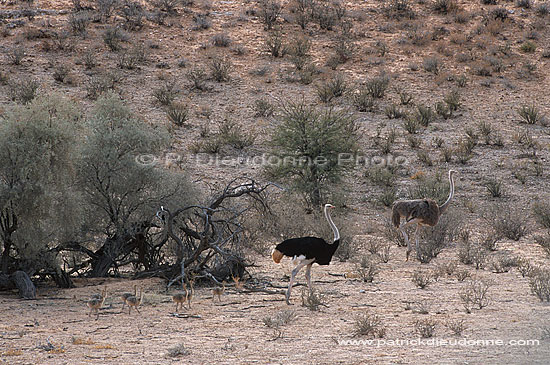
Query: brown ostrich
[[422, 212], [96, 302], [125, 296]]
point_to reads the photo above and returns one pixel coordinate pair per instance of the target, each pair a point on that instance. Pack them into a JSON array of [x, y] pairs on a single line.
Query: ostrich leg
[[402, 228], [308, 276], [293, 276], [417, 245]]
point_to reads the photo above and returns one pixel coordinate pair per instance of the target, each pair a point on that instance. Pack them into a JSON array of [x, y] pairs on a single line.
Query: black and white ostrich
[[305, 251]]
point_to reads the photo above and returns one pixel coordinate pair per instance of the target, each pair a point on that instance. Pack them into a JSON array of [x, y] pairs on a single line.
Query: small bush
[[113, 37], [363, 101], [369, 325], [499, 13], [201, 22], [232, 134], [525, 4], [388, 196], [167, 93], [312, 300], [486, 130], [490, 241], [24, 90], [367, 269], [528, 47], [392, 234], [16, 55], [541, 210], [405, 98], [274, 44], [393, 111], [178, 113], [331, 89], [494, 188], [280, 319], [530, 114], [377, 86], [543, 9], [61, 73], [106, 8], [424, 115], [540, 284], [503, 264], [445, 6], [178, 350], [381, 176], [99, 84], [220, 68], [508, 222], [425, 327], [397, 9], [464, 152], [433, 187], [424, 157], [299, 51], [411, 124], [475, 295], [198, 78], [384, 252], [525, 267], [133, 14], [466, 251], [269, 12], [422, 278], [221, 40], [432, 64], [456, 326], [168, 6], [544, 242], [452, 100], [443, 110], [477, 256], [344, 49], [462, 274], [89, 59], [79, 22], [263, 108]]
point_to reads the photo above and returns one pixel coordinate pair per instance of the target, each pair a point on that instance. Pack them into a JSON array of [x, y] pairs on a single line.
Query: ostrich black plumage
[[307, 251]]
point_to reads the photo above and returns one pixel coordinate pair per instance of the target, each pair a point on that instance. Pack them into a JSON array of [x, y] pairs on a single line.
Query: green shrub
[[331, 89], [220, 68], [541, 211], [178, 113], [529, 114], [377, 86], [313, 139]]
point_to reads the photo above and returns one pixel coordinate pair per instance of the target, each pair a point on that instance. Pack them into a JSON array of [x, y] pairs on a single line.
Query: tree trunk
[[27, 290], [112, 250], [101, 266], [5, 259], [62, 279]]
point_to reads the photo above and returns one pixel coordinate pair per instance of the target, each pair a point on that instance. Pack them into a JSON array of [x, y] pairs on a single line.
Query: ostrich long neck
[[332, 225], [445, 205]]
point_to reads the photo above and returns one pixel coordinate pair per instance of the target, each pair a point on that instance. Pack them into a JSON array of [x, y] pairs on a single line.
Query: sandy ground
[[233, 330]]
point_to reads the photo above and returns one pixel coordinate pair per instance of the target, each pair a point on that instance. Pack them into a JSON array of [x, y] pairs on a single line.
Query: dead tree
[[210, 237]]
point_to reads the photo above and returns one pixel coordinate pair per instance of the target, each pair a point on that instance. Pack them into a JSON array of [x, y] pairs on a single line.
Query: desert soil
[[56, 329]]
